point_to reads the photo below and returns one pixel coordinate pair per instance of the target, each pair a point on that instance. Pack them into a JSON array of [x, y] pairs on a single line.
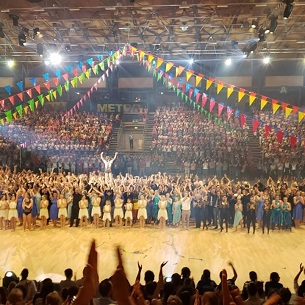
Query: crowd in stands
[[156, 199], [178, 289]]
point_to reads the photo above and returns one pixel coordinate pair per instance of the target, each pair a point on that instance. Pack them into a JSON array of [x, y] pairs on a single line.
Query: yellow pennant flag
[[150, 58], [230, 90], [159, 62], [48, 96], [168, 66], [301, 116], [198, 80], [252, 98], [219, 87], [188, 74], [2, 121], [208, 83], [275, 107], [15, 115], [241, 94], [142, 55], [287, 112], [26, 109], [36, 104], [263, 103]]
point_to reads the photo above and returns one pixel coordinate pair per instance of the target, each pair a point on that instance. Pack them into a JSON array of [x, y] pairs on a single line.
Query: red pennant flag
[[212, 104], [29, 93], [229, 112], [12, 100], [243, 119], [284, 106], [56, 81], [293, 141], [295, 109], [198, 97], [267, 130], [20, 95], [66, 77], [2, 103], [280, 135], [183, 88], [191, 91], [38, 89], [84, 68], [255, 125], [220, 108], [204, 99], [75, 72], [47, 85]]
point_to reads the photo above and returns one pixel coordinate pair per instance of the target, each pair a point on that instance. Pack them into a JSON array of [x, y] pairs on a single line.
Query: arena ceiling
[[200, 29]]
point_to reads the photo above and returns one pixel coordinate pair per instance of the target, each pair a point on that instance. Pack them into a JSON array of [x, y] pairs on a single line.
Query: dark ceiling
[[203, 29]]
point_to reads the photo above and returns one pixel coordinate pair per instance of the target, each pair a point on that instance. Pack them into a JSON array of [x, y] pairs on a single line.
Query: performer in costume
[[96, 208], [44, 213], [118, 210], [62, 209], [142, 212], [286, 207], [12, 213], [276, 214], [266, 215], [108, 163], [107, 213]]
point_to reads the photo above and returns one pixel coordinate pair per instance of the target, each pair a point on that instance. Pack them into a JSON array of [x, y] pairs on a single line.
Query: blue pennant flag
[[196, 91], [58, 73], [33, 81], [80, 64], [46, 77], [69, 69], [8, 89], [90, 61], [20, 85], [188, 86], [100, 57]]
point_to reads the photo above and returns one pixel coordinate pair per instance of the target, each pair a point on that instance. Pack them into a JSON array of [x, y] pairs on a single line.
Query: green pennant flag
[[59, 90], [67, 86], [51, 95], [83, 77], [31, 104], [41, 99], [185, 98], [75, 81], [8, 115], [102, 65], [19, 110], [163, 80], [158, 76], [95, 69], [154, 72]]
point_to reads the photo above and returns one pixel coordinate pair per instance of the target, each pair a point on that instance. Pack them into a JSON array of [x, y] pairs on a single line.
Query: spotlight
[[191, 61], [266, 60], [15, 19], [117, 61], [21, 39], [55, 58], [288, 9], [10, 63], [39, 49], [9, 277], [261, 35], [254, 24], [228, 61], [68, 48]]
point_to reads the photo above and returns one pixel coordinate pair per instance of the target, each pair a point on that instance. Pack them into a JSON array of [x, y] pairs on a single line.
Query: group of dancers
[[159, 199]]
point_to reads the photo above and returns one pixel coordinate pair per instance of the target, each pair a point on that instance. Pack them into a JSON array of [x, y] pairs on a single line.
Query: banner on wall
[[119, 107]]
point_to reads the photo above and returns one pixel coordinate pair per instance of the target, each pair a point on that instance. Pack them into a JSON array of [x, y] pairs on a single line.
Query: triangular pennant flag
[[54, 94], [241, 94], [48, 97], [159, 62], [95, 69], [56, 81], [295, 109], [252, 98], [280, 135], [20, 95], [196, 91], [29, 93], [293, 141], [287, 111], [301, 116], [204, 99], [198, 79], [59, 90], [20, 85], [220, 108], [209, 82], [102, 66], [243, 119], [168, 66], [46, 77], [84, 68], [8, 89], [2, 121], [230, 90], [38, 89], [198, 97], [263, 102], [67, 86], [219, 87], [150, 58], [88, 73], [90, 61], [212, 104], [69, 69], [267, 130], [12, 99], [41, 99], [47, 85], [255, 125], [58, 73], [26, 109], [229, 112], [179, 70], [8, 115], [19, 108], [36, 104], [284, 105], [191, 91], [15, 115], [33, 81], [75, 72], [31, 104], [275, 108], [188, 74]]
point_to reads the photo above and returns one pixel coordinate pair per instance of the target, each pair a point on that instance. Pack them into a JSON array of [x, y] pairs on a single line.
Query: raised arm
[[295, 280], [138, 278], [102, 157], [160, 282], [115, 156], [234, 271]]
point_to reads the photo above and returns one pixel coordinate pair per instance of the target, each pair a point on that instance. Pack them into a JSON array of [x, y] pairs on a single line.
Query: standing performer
[[266, 215], [108, 163], [251, 214]]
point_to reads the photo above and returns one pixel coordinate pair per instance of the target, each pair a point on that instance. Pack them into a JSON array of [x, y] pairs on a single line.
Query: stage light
[[228, 61], [10, 63], [266, 60], [21, 39], [288, 9], [55, 58], [117, 61], [191, 61], [68, 48], [9, 277], [254, 24]]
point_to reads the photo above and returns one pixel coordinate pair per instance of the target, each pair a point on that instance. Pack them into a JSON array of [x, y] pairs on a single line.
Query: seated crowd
[[178, 289], [156, 199]]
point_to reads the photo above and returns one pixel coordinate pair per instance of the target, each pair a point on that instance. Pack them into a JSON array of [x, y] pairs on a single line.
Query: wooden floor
[[48, 253]]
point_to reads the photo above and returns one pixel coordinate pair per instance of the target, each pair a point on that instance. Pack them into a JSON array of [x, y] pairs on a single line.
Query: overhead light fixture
[[191, 61], [10, 63], [21, 39], [266, 60], [228, 61], [55, 58], [117, 61], [184, 26], [254, 24], [68, 48], [288, 9], [15, 19]]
